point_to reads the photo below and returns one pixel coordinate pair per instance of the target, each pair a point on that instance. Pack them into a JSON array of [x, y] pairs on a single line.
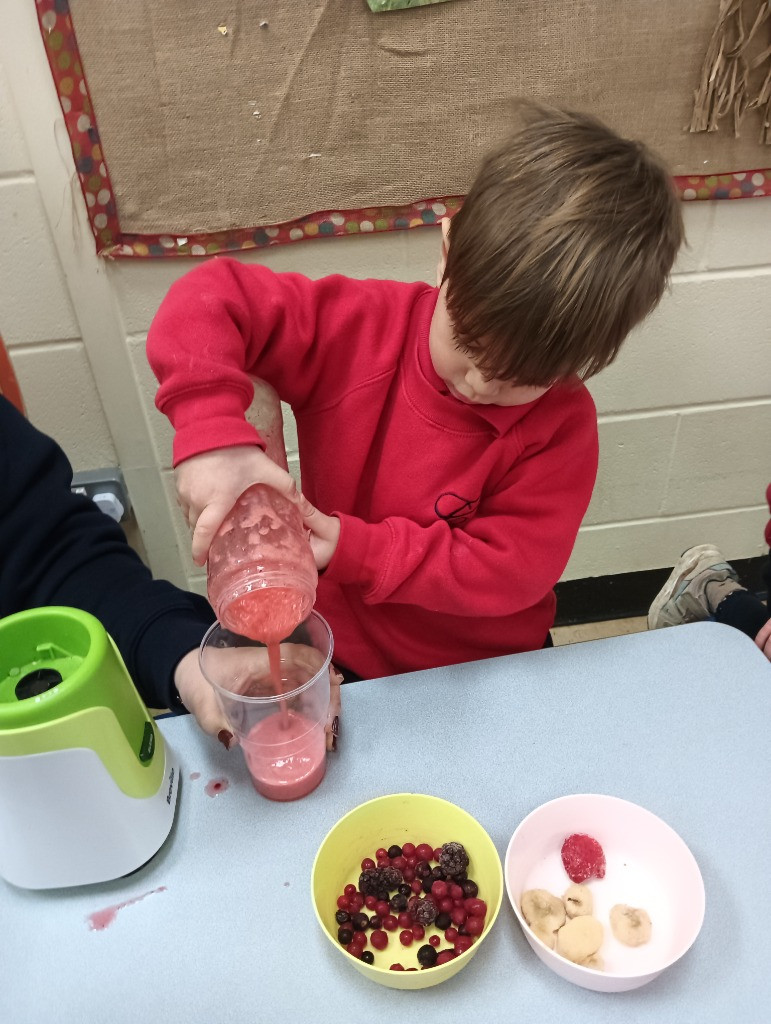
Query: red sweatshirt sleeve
[[506, 558], [227, 321]]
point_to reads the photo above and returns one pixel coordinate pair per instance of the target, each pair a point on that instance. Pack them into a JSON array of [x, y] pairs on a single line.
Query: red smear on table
[[195, 775], [100, 919], [216, 786]]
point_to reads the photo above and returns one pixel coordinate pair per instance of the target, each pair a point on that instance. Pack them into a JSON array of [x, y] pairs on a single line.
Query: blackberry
[[398, 903], [391, 877], [370, 882], [424, 912], [453, 859], [427, 955]]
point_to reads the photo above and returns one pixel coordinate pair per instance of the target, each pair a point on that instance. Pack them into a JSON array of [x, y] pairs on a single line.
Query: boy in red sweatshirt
[[447, 442]]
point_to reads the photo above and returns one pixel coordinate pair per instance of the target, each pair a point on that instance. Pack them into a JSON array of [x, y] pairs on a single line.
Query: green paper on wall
[[380, 6]]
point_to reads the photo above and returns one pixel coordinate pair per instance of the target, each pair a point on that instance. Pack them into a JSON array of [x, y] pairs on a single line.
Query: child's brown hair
[[564, 242]]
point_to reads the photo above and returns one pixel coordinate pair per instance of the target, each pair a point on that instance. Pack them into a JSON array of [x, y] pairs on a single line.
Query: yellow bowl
[[397, 819]]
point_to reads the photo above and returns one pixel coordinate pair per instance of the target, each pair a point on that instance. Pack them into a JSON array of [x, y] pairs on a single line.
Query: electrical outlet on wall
[[107, 489]]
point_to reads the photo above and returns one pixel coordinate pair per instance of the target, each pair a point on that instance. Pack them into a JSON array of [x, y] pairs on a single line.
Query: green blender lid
[[48, 657], [63, 684]]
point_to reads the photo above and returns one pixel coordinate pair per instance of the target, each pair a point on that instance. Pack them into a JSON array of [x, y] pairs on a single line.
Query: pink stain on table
[[216, 786], [101, 919], [195, 775]]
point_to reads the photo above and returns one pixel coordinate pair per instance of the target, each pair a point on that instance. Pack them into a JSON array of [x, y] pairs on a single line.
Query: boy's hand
[[209, 484], [324, 530]]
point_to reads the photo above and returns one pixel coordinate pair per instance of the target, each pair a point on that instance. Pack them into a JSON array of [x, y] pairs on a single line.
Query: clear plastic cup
[[282, 734]]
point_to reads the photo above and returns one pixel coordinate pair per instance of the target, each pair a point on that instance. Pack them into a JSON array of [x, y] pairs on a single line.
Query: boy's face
[[464, 381]]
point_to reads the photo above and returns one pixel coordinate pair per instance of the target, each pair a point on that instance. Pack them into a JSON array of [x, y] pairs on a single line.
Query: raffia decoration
[[724, 85]]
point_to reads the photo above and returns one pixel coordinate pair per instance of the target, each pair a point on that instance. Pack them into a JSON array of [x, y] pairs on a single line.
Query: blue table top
[[677, 720]]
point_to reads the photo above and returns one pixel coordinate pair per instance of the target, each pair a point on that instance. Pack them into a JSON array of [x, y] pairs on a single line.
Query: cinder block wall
[[685, 413]]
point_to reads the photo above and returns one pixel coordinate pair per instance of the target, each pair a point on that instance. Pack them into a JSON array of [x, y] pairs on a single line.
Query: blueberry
[[360, 922], [394, 851], [422, 869], [427, 955], [398, 902], [443, 921], [405, 889], [344, 936], [342, 917], [470, 889], [375, 922], [368, 956]]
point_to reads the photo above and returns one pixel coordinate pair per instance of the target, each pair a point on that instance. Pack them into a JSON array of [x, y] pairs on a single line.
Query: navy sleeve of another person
[[58, 548]]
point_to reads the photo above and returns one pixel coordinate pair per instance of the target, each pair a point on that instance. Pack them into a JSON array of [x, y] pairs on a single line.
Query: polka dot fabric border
[[64, 59]]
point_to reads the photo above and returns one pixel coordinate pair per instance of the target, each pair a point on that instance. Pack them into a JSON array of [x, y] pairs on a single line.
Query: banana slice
[[578, 901], [544, 913], [547, 938], [594, 961], [580, 938], [630, 925]]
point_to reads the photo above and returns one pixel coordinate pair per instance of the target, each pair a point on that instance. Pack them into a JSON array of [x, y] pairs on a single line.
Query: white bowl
[[648, 866]]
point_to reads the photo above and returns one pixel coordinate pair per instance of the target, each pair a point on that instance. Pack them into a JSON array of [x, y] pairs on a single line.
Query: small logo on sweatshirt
[[455, 509]]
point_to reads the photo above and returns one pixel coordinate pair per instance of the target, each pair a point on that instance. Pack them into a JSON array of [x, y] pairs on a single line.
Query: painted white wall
[[685, 413]]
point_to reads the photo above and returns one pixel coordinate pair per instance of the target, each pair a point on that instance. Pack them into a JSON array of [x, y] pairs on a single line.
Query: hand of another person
[[209, 484], [246, 671], [763, 639], [324, 532], [200, 699]]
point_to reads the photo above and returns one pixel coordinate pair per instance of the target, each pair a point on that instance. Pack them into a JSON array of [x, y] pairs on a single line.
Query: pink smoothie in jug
[[261, 574]]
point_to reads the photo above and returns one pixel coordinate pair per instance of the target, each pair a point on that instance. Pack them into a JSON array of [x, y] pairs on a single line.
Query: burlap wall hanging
[[198, 128]]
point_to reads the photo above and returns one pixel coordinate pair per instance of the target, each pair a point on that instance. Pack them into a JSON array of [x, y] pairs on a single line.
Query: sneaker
[[683, 598]]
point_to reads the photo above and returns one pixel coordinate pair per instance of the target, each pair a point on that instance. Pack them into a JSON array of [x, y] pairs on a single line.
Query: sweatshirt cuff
[[206, 421], [362, 553]]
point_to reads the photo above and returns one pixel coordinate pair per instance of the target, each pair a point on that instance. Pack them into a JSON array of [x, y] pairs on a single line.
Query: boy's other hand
[[324, 532], [209, 484]]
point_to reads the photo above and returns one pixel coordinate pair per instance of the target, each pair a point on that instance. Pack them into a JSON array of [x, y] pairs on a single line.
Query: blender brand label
[[171, 785]]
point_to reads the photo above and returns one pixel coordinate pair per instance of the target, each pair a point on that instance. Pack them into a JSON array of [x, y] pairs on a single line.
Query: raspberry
[[583, 858]]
